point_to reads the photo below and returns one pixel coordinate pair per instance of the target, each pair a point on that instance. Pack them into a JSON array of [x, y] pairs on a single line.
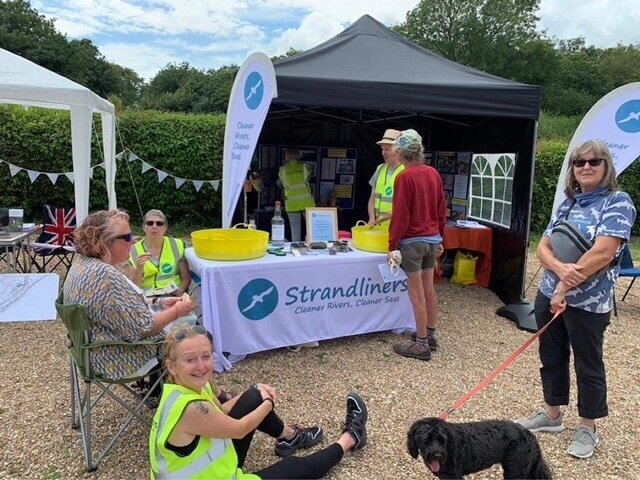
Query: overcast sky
[[146, 35]]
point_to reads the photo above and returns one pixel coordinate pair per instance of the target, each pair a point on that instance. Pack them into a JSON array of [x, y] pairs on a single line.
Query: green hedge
[[187, 146]]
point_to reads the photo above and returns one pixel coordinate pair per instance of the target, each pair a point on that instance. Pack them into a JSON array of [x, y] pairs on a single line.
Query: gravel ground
[[36, 440]]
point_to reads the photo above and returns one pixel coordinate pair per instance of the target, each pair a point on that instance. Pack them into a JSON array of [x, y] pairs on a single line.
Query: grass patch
[[52, 474]]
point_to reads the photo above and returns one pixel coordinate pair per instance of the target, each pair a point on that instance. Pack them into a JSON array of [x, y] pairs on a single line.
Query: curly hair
[[600, 150], [95, 235]]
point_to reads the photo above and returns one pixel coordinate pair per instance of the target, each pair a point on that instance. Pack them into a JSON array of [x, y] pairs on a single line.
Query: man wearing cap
[[417, 227], [383, 180]]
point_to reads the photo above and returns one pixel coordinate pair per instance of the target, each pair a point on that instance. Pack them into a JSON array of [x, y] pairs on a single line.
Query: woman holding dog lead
[[582, 291]]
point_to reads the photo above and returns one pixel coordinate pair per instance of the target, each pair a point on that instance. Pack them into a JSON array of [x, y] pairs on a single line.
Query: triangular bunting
[[33, 175], [161, 175], [197, 184], [179, 181], [133, 157], [53, 177], [69, 175], [14, 169], [215, 184], [119, 156], [145, 166]]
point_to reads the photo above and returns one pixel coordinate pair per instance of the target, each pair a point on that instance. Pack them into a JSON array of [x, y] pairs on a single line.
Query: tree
[[485, 34], [25, 32]]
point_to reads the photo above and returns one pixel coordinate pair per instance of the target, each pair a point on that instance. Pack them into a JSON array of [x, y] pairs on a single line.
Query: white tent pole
[[81, 118], [109, 142]]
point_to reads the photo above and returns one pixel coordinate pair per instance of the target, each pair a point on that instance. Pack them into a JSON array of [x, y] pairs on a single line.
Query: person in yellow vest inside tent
[[194, 435], [294, 178], [157, 262], [383, 180]]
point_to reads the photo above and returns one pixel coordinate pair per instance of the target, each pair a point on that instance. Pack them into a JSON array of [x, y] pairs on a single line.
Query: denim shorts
[[418, 256]]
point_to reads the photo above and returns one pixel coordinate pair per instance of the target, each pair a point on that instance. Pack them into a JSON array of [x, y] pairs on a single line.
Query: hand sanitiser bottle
[[277, 227]]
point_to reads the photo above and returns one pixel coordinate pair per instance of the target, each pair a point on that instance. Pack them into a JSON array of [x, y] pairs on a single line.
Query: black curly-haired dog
[[452, 450]]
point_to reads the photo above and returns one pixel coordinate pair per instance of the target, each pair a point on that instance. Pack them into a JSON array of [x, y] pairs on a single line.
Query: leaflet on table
[[469, 224]]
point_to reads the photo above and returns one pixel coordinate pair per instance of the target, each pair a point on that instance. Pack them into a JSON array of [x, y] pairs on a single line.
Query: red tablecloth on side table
[[477, 240]]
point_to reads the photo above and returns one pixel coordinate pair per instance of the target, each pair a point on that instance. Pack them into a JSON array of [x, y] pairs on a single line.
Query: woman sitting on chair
[[117, 308], [195, 436], [157, 261]]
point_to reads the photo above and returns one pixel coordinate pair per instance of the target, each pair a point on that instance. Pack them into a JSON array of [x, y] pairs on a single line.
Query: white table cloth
[[256, 305]]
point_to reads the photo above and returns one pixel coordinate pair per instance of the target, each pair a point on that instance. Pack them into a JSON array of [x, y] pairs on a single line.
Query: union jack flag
[[59, 224]]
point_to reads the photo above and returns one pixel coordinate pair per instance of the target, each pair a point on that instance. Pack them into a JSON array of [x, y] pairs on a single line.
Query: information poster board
[[455, 168], [337, 176]]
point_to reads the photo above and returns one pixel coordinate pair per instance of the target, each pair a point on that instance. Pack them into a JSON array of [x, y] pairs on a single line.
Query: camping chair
[[626, 270], [54, 246], [75, 319]]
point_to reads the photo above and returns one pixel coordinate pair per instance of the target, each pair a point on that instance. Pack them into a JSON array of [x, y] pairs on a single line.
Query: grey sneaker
[[541, 422], [413, 350], [584, 442]]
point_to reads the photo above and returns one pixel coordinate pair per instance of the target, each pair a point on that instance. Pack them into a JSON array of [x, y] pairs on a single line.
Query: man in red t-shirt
[[417, 226]]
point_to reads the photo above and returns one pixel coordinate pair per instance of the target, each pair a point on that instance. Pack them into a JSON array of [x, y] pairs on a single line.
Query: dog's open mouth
[[434, 465]]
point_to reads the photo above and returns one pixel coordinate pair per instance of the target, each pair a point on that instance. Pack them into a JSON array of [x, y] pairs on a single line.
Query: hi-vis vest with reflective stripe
[[168, 268], [384, 190], [297, 193], [213, 458]]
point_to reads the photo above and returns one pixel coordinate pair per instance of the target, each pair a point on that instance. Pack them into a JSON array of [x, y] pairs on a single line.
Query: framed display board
[[322, 224], [337, 176]]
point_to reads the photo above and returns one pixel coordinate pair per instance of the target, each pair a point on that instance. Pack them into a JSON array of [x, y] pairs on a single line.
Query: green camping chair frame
[[76, 321]]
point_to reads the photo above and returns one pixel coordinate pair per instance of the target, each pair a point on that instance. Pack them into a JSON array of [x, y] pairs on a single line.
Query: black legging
[[315, 465]]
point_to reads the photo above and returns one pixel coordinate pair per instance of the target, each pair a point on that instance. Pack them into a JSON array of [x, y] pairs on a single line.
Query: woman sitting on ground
[[157, 261], [117, 308], [194, 436]]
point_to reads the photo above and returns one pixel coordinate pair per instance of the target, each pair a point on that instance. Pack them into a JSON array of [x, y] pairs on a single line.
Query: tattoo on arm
[[202, 407]]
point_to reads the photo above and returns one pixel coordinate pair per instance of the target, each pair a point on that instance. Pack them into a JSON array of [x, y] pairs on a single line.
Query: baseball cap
[[409, 140], [389, 137]]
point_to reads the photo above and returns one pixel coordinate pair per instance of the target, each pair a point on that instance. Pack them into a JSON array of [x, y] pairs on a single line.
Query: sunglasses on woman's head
[[594, 162], [150, 223], [127, 237], [181, 333]]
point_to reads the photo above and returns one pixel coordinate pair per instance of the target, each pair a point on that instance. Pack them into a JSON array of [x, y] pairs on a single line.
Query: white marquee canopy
[[25, 83]]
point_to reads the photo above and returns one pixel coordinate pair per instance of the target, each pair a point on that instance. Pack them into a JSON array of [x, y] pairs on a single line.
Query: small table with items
[[277, 301], [477, 240], [12, 244]]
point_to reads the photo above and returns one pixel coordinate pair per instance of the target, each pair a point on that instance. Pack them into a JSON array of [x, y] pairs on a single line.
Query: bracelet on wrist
[[269, 399]]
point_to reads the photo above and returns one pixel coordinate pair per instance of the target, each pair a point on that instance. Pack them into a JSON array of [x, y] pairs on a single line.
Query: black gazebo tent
[[348, 90]]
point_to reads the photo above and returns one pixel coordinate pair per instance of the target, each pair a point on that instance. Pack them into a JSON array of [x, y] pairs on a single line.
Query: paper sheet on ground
[[28, 297]]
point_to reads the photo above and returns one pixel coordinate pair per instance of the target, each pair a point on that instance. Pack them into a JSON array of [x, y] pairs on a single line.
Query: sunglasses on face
[[127, 237], [594, 162], [151, 223], [181, 333]]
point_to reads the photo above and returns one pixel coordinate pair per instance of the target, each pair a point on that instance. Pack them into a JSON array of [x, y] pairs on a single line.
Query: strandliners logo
[[260, 297]]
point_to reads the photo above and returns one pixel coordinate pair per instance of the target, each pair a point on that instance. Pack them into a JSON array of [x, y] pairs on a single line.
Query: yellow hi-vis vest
[[297, 193], [384, 190], [212, 458], [168, 268]]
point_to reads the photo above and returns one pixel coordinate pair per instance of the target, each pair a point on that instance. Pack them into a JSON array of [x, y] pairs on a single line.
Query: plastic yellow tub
[[230, 243], [374, 239]]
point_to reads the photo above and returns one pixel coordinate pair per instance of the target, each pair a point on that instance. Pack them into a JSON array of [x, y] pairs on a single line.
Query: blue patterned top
[[610, 215]]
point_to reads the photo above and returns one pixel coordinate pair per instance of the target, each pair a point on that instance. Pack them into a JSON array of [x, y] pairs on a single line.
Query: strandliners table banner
[[271, 302]]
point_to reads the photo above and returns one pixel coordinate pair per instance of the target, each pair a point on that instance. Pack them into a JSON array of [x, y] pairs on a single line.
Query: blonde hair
[[600, 150], [96, 233], [171, 342]]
